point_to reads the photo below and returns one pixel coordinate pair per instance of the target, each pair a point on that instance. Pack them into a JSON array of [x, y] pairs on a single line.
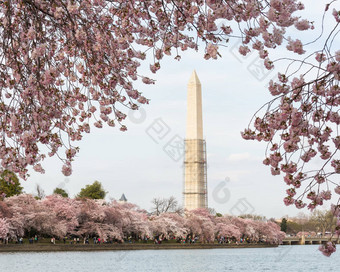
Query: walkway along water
[[91, 247]]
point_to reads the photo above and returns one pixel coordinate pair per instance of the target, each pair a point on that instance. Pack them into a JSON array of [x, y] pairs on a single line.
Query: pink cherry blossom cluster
[[296, 46], [328, 249], [58, 216]]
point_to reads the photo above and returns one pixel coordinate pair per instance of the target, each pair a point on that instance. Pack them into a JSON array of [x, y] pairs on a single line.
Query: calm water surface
[[283, 258]]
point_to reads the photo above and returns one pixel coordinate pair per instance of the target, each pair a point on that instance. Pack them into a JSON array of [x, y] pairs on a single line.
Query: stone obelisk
[[195, 170]]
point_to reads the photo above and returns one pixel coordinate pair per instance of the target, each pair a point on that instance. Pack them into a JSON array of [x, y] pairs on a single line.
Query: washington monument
[[195, 163]]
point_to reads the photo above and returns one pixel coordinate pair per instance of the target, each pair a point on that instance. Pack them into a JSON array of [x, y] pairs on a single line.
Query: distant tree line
[[319, 222]]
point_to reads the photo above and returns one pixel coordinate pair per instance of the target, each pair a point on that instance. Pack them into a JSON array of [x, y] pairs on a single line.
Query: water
[[283, 258]]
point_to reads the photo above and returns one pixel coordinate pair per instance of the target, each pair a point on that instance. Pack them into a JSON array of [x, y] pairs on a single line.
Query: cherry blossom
[[327, 249], [68, 59], [4, 228], [300, 124], [59, 217]]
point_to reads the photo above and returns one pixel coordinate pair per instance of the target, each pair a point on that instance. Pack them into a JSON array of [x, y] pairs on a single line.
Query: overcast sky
[[139, 162]]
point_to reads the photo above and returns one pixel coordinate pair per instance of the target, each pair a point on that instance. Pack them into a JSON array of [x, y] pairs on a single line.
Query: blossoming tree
[[69, 65], [57, 216]]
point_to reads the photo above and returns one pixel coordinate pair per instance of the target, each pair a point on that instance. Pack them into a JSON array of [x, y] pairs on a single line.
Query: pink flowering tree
[[66, 212], [14, 221], [251, 229], [300, 124], [4, 228], [270, 232], [30, 214], [70, 65], [241, 224], [92, 220], [134, 221], [56, 216], [201, 224], [4, 210], [226, 228], [169, 225], [114, 216], [228, 231], [111, 220], [20, 207]]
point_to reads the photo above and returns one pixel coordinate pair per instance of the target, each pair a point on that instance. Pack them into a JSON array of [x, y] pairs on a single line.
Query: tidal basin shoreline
[[107, 247]]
